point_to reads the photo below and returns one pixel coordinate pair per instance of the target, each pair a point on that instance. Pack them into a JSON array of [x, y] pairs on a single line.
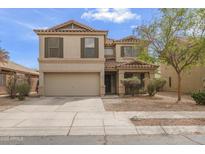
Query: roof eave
[[52, 32], [18, 71]]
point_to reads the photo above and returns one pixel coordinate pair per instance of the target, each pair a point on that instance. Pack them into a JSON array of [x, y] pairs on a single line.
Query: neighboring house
[[9, 67], [77, 60], [192, 80]]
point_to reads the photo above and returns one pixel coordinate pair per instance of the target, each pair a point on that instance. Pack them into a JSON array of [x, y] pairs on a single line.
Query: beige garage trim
[[72, 84]]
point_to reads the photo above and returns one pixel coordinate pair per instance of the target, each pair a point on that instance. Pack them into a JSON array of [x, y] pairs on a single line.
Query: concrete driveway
[[48, 116]]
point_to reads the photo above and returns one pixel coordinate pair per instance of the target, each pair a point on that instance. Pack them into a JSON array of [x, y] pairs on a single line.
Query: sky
[[16, 26]]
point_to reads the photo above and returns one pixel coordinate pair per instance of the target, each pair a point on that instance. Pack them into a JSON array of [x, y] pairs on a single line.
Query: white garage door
[[72, 84]]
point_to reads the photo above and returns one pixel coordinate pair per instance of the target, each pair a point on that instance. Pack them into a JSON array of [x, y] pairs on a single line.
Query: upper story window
[[128, 51], [53, 47], [109, 52], [89, 48]]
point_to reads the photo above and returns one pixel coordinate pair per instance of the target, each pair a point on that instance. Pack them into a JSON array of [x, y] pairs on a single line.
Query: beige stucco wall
[[118, 51], [71, 61], [71, 45], [34, 81], [192, 80], [84, 66]]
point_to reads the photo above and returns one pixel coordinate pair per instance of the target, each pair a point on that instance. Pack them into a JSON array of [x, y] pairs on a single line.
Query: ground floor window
[[2, 79]]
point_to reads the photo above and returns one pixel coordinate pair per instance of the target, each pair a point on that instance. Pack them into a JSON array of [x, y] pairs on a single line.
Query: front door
[[107, 83], [110, 83]]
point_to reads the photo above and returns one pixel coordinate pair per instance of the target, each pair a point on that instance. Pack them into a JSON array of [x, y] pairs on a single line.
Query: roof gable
[[69, 27], [72, 25]]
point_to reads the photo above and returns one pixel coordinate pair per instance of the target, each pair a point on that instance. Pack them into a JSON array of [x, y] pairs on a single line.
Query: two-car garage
[[72, 84]]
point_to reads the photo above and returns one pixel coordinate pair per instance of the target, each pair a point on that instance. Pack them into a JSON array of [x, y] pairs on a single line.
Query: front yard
[[44, 116], [163, 101]]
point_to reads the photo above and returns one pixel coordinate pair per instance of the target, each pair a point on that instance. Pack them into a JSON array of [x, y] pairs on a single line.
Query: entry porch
[[116, 71], [113, 80]]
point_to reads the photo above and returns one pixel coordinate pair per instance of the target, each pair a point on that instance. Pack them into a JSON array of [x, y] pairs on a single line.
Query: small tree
[[3, 55], [23, 90], [155, 85], [151, 88], [11, 85], [146, 57], [159, 83], [177, 37], [133, 84]]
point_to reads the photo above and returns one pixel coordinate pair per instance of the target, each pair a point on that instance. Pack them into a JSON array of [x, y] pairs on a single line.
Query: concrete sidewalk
[[18, 123]]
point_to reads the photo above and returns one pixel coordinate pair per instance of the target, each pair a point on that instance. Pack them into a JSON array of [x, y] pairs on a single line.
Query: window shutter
[[122, 51], [82, 43], [61, 47], [46, 48], [97, 47]]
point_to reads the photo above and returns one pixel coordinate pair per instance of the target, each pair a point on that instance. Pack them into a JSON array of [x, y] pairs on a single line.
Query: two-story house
[[77, 60]]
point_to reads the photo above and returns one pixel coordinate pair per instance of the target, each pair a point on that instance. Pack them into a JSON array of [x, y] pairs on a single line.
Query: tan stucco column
[[41, 83], [102, 83], [151, 74], [121, 88], [146, 79]]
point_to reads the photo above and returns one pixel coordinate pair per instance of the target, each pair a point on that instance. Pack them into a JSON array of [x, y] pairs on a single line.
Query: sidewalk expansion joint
[[192, 140], [165, 133], [16, 125], [105, 136], [72, 123]]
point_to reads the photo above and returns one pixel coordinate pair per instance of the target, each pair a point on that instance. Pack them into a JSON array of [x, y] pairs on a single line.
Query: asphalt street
[[105, 140]]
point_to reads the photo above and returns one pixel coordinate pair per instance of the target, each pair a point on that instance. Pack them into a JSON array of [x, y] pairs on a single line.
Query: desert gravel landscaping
[[161, 102], [168, 122]]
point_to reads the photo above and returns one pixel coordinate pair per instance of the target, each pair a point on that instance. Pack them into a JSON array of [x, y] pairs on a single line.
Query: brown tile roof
[[109, 42], [130, 38], [11, 66], [64, 28], [128, 63]]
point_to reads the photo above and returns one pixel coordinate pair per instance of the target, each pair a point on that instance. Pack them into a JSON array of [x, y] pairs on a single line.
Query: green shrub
[[142, 91], [132, 84], [159, 83], [151, 88], [155, 85], [12, 85], [22, 90], [199, 97]]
